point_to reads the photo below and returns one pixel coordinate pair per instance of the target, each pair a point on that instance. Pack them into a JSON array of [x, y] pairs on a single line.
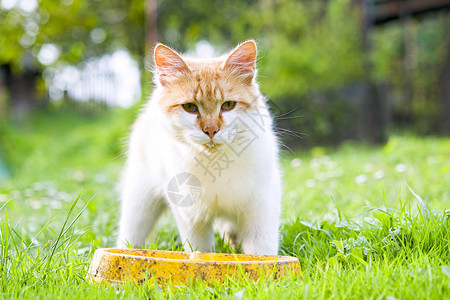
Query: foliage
[[79, 29], [364, 222], [427, 50], [304, 45], [307, 48], [315, 47]]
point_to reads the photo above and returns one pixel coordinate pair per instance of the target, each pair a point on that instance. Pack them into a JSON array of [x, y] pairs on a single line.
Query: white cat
[[204, 146]]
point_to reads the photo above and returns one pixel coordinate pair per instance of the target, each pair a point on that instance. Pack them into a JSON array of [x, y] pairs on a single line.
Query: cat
[[204, 146]]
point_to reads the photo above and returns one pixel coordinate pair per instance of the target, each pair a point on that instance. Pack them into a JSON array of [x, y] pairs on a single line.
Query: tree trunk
[[22, 92], [151, 36], [445, 92], [408, 63], [3, 94], [373, 127], [151, 24]]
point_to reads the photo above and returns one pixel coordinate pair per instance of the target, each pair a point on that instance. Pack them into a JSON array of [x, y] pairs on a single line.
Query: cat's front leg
[[195, 235], [259, 236], [137, 221], [140, 209], [258, 229]]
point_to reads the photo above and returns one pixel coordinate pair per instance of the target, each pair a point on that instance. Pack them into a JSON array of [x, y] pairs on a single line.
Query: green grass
[[365, 222]]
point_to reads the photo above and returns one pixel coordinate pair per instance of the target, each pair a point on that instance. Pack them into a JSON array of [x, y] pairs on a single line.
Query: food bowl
[[120, 265]]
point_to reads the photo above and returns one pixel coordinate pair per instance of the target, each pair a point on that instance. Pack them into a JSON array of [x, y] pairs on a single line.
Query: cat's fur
[[166, 140]]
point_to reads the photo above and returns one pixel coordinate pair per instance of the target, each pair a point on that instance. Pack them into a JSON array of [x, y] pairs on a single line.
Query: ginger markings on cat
[[204, 147]]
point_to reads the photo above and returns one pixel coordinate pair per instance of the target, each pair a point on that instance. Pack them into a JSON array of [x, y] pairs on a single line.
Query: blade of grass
[[63, 229]]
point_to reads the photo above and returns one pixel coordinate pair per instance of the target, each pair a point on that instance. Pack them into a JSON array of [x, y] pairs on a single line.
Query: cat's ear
[[242, 60], [169, 64]]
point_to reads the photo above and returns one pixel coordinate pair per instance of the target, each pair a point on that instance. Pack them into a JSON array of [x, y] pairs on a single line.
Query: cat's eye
[[190, 108], [227, 106]]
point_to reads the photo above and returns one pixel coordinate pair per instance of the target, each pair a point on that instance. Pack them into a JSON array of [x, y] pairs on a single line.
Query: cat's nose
[[210, 131]]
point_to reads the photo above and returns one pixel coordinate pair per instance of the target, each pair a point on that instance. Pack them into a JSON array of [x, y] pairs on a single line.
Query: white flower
[[360, 179], [295, 163], [310, 183], [401, 168], [378, 174]]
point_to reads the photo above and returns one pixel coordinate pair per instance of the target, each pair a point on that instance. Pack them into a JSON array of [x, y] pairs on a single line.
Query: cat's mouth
[[212, 146]]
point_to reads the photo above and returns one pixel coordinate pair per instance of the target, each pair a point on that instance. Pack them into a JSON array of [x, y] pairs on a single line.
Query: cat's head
[[208, 101]]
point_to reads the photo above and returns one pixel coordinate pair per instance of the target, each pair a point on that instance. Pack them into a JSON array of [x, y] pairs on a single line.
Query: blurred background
[[369, 79], [334, 69]]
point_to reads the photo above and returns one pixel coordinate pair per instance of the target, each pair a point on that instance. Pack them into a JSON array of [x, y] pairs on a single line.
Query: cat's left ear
[[169, 64], [242, 60]]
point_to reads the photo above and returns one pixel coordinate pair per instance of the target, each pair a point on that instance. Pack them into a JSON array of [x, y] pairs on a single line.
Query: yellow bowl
[[119, 265]]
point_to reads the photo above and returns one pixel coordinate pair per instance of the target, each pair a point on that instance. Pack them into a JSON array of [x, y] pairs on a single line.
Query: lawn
[[365, 222]]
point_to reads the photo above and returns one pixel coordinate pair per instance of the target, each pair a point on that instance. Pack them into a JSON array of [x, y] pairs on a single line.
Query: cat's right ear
[[242, 60], [169, 64]]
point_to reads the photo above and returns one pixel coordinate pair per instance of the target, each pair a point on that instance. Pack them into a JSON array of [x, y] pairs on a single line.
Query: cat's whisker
[[279, 117], [290, 132], [122, 154], [289, 118], [287, 147]]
